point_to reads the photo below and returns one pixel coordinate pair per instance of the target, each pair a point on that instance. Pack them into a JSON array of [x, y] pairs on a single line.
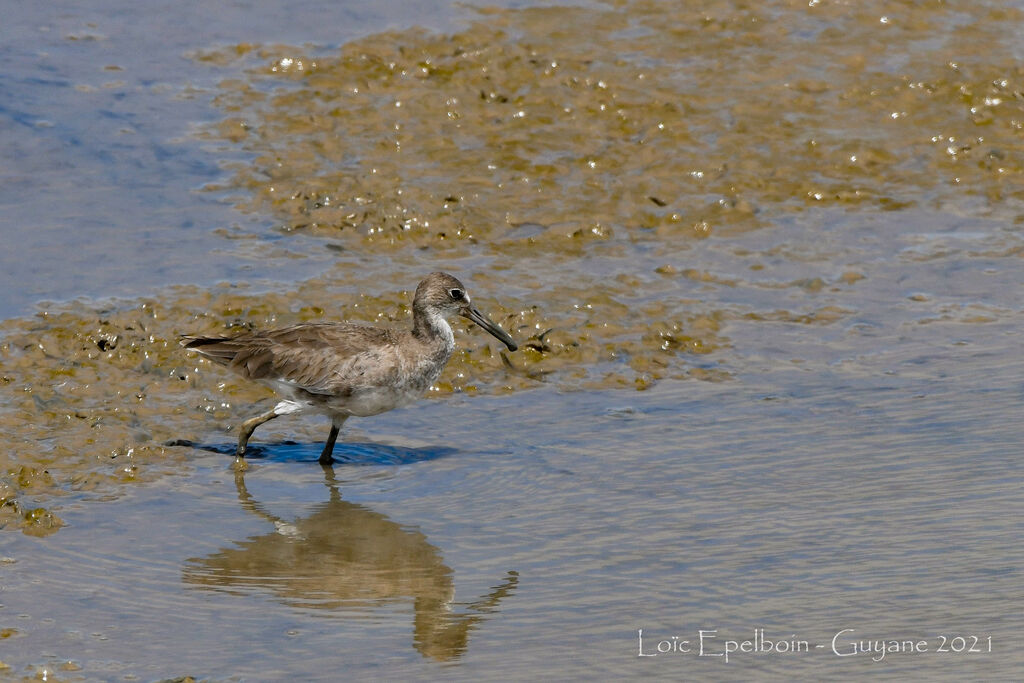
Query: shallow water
[[801, 504], [770, 371], [101, 174]]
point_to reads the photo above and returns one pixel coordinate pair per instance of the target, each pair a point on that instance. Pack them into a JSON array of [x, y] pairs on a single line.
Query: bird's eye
[[456, 294]]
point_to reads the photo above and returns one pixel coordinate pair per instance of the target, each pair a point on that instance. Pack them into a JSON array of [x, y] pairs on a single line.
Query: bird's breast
[[378, 382]]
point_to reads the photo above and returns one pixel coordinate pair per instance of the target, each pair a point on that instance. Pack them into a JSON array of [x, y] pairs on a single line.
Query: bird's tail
[[218, 349]]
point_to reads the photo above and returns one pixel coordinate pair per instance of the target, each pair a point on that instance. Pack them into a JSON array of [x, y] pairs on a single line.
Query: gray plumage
[[344, 369]]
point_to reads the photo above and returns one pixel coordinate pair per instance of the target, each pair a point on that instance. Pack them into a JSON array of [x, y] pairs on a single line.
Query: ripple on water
[[836, 255]]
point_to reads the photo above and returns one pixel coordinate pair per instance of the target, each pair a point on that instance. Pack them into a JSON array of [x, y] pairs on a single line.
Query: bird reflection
[[346, 556]]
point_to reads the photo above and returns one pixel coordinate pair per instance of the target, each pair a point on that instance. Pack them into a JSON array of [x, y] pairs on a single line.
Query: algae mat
[[763, 261], [590, 171]]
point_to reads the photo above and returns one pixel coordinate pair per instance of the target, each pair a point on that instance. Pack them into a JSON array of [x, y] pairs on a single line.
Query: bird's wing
[[305, 355]]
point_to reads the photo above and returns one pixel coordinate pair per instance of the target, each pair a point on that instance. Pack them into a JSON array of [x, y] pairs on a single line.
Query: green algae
[[668, 121], [562, 161], [97, 396]]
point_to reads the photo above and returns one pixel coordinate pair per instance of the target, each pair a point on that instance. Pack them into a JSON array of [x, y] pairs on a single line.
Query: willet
[[344, 369]]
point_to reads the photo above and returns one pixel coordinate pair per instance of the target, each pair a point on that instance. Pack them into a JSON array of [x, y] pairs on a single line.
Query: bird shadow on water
[[345, 453]]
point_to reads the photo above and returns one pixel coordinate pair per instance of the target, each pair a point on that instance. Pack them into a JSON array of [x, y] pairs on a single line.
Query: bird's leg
[[248, 427], [325, 456]]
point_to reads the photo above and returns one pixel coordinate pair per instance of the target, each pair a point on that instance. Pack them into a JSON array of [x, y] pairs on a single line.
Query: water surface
[[763, 262]]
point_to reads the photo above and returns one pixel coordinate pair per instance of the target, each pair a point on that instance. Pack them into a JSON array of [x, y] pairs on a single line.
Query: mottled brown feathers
[[302, 354], [343, 369]]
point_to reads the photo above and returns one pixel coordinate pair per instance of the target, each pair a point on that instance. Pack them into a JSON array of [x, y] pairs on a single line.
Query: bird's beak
[[489, 325]]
